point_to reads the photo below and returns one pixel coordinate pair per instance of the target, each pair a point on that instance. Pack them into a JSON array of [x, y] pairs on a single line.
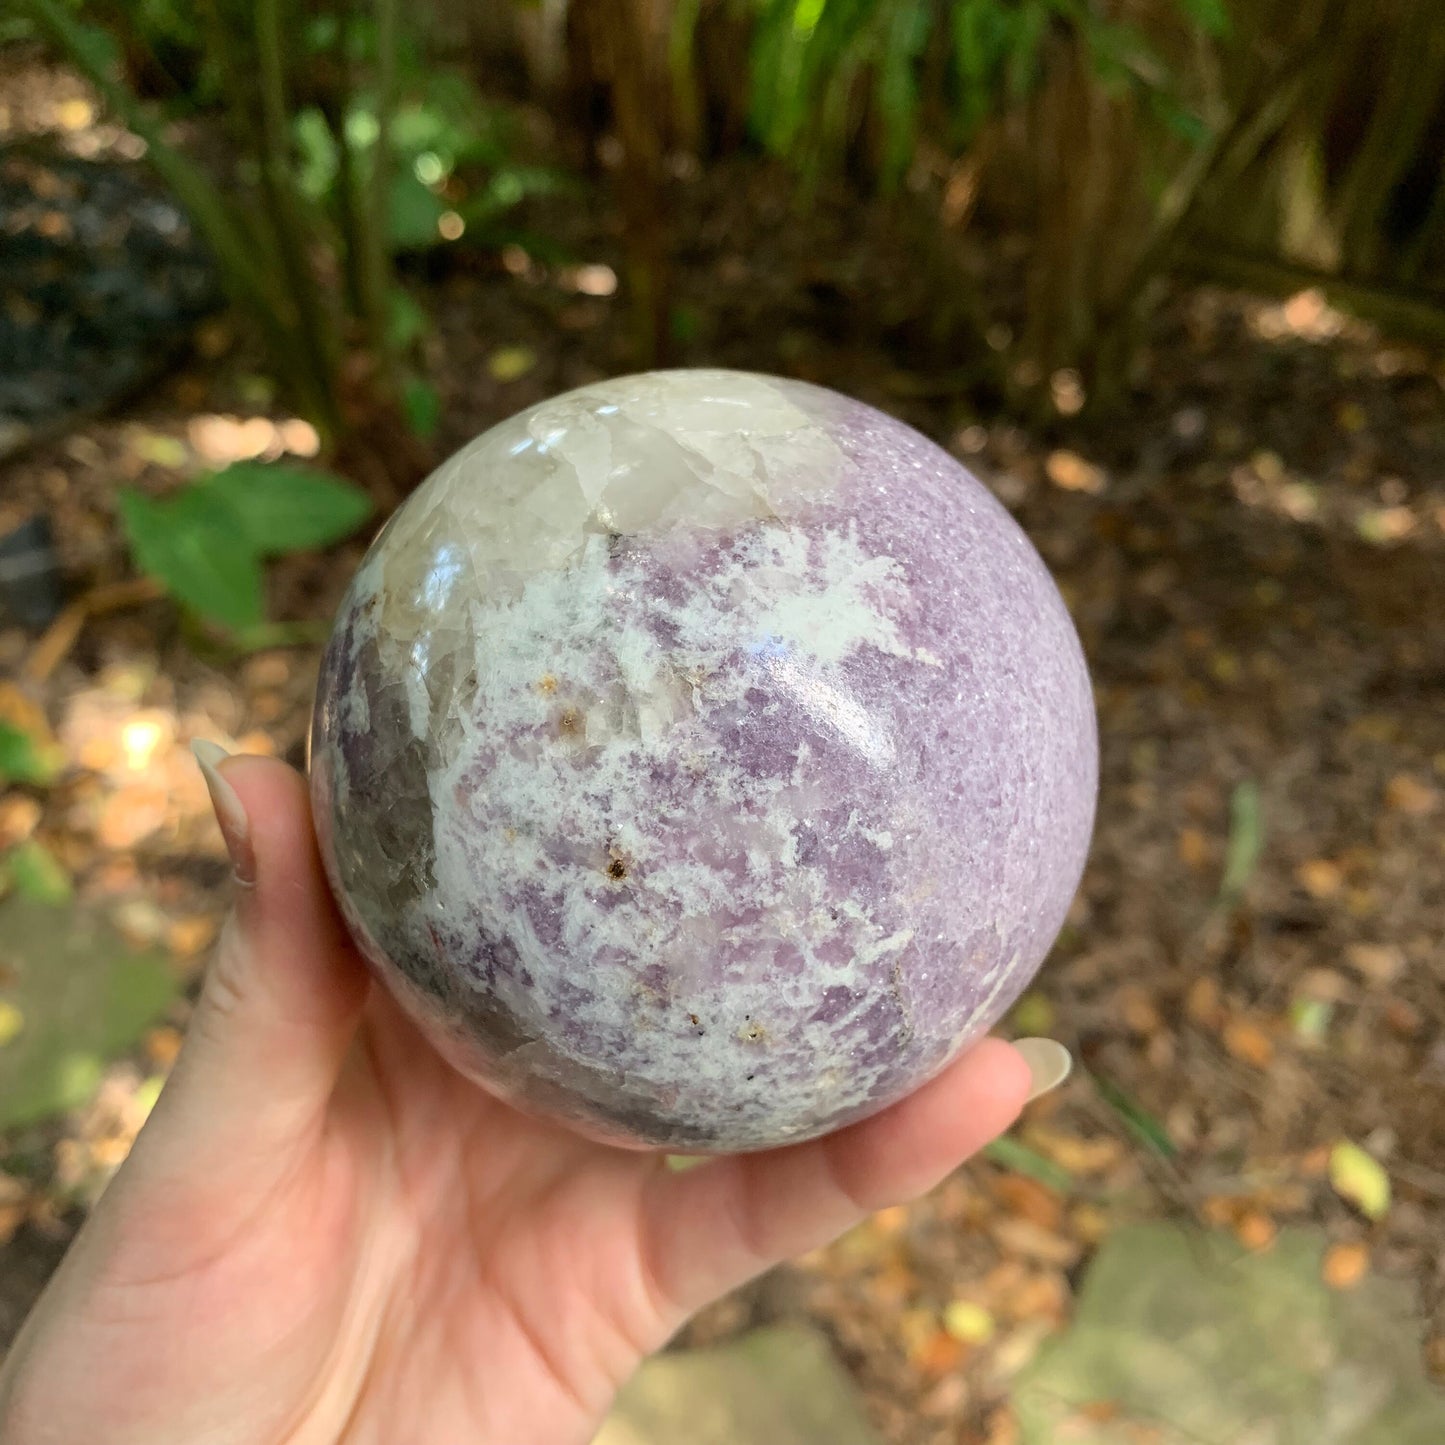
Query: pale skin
[[325, 1235]]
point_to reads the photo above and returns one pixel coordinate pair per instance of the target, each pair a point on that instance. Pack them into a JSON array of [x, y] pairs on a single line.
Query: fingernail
[[1049, 1064], [235, 827]]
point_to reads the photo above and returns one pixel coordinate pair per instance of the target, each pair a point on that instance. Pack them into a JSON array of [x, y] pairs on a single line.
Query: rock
[[779, 1386], [1181, 1336]]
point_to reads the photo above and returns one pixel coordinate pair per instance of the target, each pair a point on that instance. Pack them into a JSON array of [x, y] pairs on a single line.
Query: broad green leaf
[[37, 874], [24, 759], [423, 405], [318, 160], [405, 319], [82, 996], [192, 546], [412, 213], [1360, 1179], [509, 186], [279, 507]]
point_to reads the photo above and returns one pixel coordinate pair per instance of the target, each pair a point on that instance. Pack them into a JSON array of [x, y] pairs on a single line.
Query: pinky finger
[[706, 1230]]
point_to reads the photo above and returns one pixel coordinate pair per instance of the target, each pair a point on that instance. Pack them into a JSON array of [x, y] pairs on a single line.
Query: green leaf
[[511, 363], [82, 995], [1023, 1160], [423, 405], [318, 162], [680, 1163], [412, 213], [97, 45], [37, 874], [192, 546], [1211, 16], [24, 760], [1360, 1179], [405, 319], [279, 507], [509, 186], [1137, 1120], [1246, 842]]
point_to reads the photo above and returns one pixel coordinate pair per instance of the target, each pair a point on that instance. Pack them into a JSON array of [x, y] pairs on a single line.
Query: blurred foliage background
[[1169, 273]]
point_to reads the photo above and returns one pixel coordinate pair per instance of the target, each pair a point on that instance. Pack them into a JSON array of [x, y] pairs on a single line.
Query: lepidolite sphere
[[703, 759]]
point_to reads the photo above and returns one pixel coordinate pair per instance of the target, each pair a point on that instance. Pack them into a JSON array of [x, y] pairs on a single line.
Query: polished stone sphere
[[703, 759]]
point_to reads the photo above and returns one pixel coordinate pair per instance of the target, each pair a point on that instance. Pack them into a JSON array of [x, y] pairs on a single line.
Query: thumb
[[284, 993]]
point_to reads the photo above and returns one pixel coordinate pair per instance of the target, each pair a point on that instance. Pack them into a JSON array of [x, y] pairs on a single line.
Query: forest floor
[[1254, 970]]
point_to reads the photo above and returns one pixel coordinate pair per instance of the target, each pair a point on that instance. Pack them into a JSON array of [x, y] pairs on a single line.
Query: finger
[[710, 1228], [284, 993]]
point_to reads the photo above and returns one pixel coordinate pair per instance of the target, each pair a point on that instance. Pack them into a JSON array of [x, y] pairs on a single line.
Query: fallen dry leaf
[[1345, 1265], [1222, 1210], [1407, 794], [1249, 1043], [971, 1323], [1097, 1155], [1002, 1427], [1069, 471], [1137, 1010], [12, 1216], [19, 816], [1018, 1347], [948, 1397], [1194, 850], [1379, 963], [940, 1354], [1043, 1295], [1089, 1222], [1320, 878], [1029, 1199], [1202, 1002], [187, 937], [131, 814], [162, 1045], [1031, 1241], [1255, 1230]]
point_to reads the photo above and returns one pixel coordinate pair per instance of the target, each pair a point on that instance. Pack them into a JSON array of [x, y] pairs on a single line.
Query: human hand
[[325, 1235]]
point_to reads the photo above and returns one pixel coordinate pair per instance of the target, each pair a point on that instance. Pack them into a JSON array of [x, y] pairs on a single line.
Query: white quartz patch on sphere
[[703, 759]]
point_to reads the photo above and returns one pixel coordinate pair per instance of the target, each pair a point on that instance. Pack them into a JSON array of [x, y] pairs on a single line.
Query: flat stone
[[1182, 1336], [777, 1386]]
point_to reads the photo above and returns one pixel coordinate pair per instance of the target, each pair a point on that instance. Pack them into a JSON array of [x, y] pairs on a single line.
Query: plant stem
[[316, 338], [335, 107], [1414, 312], [376, 231]]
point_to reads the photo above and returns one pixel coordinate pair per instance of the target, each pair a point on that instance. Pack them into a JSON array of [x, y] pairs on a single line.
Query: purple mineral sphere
[[703, 759]]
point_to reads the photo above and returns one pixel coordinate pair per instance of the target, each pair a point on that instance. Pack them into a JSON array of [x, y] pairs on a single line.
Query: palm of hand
[[325, 1235]]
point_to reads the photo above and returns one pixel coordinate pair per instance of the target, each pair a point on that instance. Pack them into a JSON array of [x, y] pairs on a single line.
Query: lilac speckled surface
[[704, 760]]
